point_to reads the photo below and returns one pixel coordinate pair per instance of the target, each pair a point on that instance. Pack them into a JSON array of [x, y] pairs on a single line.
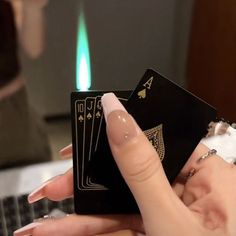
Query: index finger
[[58, 188], [66, 152]]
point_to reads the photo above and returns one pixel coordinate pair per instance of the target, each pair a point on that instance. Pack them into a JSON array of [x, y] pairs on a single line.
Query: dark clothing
[[23, 137], [9, 64]]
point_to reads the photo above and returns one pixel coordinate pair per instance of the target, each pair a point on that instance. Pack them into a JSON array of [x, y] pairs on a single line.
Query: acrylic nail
[[66, 152], [27, 230], [38, 193], [121, 127]]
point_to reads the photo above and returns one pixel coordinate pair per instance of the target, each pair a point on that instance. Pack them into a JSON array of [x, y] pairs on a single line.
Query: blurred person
[[23, 139]]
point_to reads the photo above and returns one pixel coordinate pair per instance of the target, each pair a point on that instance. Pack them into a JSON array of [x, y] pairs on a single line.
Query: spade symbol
[[98, 114], [80, 118], [89, 116], [142, 94]]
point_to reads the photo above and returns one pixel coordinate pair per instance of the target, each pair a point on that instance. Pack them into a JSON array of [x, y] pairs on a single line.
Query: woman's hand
[[61, 187], [200, 202], [203, 206]]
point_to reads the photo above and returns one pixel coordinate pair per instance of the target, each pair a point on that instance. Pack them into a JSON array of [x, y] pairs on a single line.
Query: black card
[[86, 116], [173, 119]]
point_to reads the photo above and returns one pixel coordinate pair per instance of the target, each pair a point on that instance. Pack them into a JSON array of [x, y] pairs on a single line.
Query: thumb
[[139, 164]]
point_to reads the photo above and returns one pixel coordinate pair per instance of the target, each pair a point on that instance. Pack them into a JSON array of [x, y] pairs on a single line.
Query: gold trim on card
[[155, 136], [84, 182]]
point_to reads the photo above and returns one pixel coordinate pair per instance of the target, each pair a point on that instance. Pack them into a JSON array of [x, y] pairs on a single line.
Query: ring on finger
[[191, 173], [206, 155]]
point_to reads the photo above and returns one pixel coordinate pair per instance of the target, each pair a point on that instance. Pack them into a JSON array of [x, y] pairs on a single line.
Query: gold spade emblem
[[142, 94], [80, 118], [89, 116], [155, 136], [98, 114]]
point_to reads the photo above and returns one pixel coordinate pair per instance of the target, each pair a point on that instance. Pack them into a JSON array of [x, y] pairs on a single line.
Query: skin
[[204, 205], [30, 24], [29, 18]]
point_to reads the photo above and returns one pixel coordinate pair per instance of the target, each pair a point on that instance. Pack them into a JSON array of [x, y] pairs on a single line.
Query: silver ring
[[191, 173], [208, 154]]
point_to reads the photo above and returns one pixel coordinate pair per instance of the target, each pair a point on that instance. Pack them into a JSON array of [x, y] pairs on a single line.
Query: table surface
[[23, 180]]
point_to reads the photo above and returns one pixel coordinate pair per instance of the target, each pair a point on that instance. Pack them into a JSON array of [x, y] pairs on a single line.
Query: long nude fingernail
[[38, 193], [26, 230], [121, 127], [66, 152]]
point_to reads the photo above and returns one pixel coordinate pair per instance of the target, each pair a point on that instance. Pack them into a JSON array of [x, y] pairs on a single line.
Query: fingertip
[[111, 103], [27, 229], [66, 152]]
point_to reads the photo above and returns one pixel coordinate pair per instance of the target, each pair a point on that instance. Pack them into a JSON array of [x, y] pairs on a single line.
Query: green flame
[[83, 69]]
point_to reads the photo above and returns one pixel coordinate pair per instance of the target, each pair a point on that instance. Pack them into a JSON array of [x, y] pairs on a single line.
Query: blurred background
[[125, 38]]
